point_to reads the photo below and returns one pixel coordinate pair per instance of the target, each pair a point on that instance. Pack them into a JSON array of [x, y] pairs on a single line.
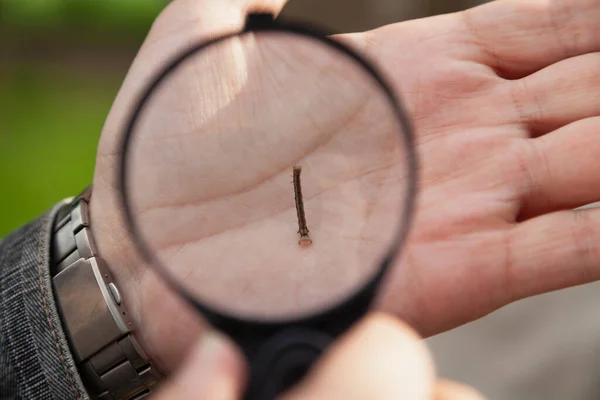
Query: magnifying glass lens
[[268, 175]]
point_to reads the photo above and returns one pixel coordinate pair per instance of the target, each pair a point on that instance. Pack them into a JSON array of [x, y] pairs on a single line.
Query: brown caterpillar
[[305, 240]]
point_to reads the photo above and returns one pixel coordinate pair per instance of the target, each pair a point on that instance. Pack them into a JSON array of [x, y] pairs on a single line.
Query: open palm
[[502, 98]]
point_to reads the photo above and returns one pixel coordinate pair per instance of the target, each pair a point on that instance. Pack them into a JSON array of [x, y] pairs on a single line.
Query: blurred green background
[[61, 65]]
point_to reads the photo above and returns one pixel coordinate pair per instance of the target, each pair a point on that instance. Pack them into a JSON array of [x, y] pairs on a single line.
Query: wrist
[[94, 316], [165, 335]]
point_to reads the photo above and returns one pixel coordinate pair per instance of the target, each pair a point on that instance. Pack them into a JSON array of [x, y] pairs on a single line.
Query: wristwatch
[[96, 322]]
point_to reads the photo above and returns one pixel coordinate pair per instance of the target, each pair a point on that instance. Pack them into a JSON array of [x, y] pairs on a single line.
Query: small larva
[[305, 240]]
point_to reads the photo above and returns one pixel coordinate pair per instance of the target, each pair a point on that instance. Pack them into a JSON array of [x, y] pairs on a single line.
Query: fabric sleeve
[[35, 360]]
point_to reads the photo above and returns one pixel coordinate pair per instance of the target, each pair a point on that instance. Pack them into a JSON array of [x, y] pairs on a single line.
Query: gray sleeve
[[35, 360]]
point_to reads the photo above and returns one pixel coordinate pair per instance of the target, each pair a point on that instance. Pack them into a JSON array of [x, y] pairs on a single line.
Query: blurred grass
[[61, 65], [50, 122], [35, 14]]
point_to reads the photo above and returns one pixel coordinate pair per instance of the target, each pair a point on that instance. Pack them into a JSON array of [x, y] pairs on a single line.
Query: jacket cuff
[[35, 360]]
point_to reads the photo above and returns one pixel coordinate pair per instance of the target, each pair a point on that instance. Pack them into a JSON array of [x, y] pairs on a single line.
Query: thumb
[[381, 358], [214, 370]]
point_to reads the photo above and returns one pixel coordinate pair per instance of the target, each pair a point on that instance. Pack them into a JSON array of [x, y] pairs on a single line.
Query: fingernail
[[205, 359], [211, 347]]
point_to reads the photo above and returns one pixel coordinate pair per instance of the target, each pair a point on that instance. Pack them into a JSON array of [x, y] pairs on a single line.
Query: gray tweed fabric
[[35, 360]]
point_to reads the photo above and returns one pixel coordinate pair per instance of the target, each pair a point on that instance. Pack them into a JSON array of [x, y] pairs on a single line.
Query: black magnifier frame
[[279, 352]]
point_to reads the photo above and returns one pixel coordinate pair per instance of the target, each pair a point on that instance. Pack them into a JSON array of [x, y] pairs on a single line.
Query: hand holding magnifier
[[217, 204]]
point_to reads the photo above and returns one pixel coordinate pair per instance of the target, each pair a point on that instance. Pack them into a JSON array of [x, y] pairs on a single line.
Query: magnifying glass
[[269, 177]]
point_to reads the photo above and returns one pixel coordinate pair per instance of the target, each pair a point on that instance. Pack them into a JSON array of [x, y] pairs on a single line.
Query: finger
[[552, 252], [214, 370], [380, 359], [518, 37], [184, 21], [563, 171], [557, 95], [448, 390]]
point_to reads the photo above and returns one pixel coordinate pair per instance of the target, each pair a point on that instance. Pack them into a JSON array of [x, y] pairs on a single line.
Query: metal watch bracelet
[[110, 360]]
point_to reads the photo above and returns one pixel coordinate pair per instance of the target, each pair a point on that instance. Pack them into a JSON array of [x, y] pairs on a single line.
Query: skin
[[504, 99]]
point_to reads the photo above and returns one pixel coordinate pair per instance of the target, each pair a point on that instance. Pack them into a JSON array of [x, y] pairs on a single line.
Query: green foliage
[[50, 122], [51, 117], [124, 14]]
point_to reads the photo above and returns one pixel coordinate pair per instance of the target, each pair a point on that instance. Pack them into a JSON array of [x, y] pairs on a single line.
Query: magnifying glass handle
[[283, 361]]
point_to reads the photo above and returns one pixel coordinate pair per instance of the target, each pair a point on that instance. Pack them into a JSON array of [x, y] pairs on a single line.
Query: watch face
[[269, 177]]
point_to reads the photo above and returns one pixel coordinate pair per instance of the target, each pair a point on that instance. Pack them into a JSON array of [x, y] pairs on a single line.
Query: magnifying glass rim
[[395, 246]]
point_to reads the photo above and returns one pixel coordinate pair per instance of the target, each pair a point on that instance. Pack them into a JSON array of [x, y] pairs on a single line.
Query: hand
[[503, 96], [380, 358]]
